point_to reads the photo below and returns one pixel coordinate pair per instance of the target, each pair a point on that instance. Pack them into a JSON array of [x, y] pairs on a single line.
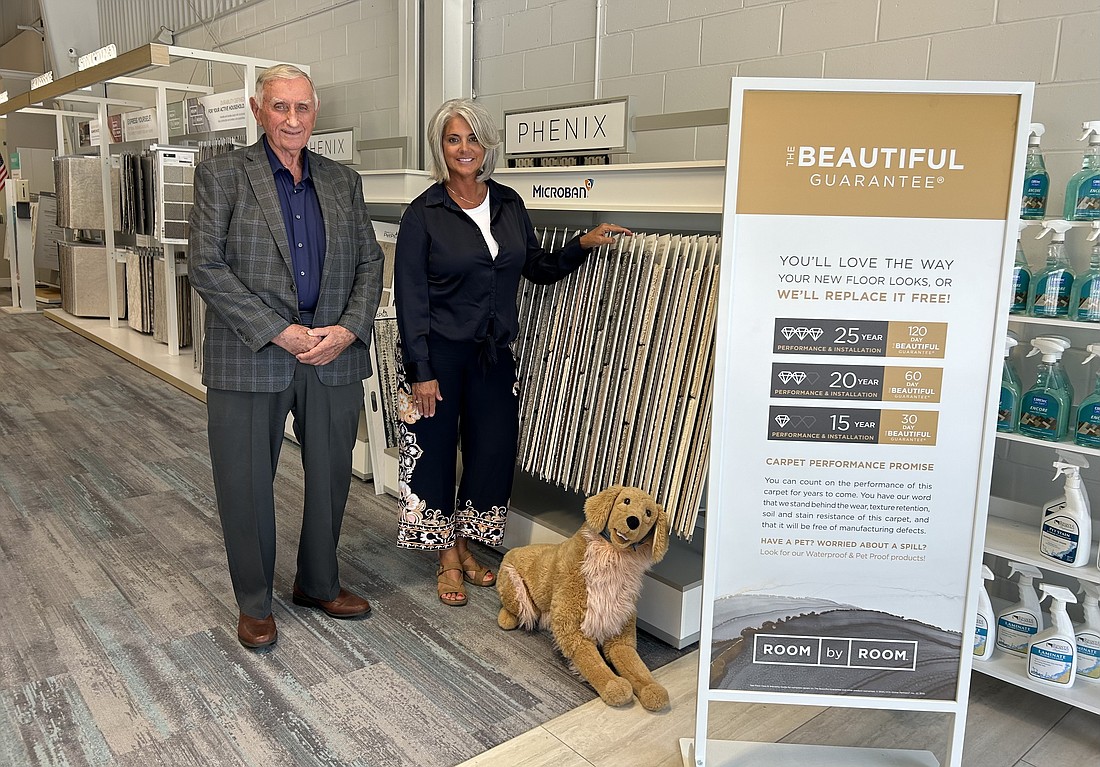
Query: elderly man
[[283, 252]]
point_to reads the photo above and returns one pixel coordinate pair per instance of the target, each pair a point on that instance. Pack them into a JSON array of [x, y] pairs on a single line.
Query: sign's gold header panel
[[903, 155]]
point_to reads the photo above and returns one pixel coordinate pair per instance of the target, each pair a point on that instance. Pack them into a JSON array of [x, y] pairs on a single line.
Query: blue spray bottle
[[1054, 283], [1036, 179], [1045, 408], [1086, 433], [1021, 276], [1083, 190], [1084, 304], [1008, 409]]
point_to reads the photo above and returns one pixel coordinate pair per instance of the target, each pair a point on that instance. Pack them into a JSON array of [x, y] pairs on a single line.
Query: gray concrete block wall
[[678, 55], [351, 49]]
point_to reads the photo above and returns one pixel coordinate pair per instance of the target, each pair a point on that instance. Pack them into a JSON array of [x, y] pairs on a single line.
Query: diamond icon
[[787, 332], [799, 377], [786, 376], [782, 420], [816, 333]]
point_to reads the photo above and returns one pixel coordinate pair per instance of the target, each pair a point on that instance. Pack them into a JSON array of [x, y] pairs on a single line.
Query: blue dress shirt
[[305, 229]]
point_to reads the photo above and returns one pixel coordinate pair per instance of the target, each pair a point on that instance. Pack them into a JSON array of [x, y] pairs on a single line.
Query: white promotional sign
[[218, 111], [866, 252], [140, 125], [583, 128]]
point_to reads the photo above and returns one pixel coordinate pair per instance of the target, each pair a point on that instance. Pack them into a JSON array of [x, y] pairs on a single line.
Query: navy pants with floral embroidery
[[480, 412]]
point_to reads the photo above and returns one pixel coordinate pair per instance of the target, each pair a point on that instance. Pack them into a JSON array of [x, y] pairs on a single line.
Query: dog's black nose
[[632, 522]]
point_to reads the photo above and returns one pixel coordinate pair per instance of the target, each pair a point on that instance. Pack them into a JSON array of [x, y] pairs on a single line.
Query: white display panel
[[865, 255]]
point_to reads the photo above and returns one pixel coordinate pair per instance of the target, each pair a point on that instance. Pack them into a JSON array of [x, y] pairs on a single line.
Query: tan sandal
[[445, 585], [482, 576]]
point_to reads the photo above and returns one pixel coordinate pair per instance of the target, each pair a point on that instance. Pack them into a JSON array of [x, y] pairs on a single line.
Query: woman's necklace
[[469, 202]]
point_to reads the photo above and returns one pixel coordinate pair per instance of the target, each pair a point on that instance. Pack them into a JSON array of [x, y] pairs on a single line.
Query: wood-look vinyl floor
[[117, 621], [1006, 727]]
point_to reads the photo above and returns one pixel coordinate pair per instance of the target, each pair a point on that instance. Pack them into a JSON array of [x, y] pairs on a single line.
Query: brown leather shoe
[[346, 604], [255, 633]]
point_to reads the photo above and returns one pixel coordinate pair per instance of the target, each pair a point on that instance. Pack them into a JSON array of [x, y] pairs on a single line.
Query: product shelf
[[1024, 319], [1019, 542], [1010, 668], [1073, 224], [1067, 446]]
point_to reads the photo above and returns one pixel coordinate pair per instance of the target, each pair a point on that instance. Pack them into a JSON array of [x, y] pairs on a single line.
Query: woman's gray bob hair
[[481, 124]]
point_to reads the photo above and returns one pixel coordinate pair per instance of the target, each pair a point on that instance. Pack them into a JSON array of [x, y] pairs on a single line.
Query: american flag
[[3, 173]]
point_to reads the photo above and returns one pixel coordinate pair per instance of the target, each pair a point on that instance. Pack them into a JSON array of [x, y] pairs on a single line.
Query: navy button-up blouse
[[446, 284]]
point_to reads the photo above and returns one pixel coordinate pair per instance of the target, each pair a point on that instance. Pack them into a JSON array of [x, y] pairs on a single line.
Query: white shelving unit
[[1009, 667], [118, 72], [160, 359], [658, 196], [1012, 528]]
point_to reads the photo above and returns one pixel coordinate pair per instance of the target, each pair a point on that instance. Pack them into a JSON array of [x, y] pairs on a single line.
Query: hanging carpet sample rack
[[614, 366]]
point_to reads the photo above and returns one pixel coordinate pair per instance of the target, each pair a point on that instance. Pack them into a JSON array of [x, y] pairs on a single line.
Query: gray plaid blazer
[[239, 262]]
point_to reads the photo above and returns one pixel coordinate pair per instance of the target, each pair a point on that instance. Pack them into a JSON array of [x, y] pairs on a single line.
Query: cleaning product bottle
[[1087, 431], [1018, 623], [1054, 283], [1083, 190], [1067, 522], [1036, 178], [1052, 654], [1045, 407], [1021, 276], [1084, 303], [1088, 634], [1008, 411], [985, 625]]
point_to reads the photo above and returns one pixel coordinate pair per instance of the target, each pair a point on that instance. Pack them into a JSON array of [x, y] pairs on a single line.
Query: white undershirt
[[480, 216]]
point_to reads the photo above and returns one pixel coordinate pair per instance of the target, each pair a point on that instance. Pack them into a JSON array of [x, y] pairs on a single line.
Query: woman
[[461, 250]]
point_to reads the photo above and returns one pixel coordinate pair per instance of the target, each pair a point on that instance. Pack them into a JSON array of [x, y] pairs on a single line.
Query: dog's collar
[[607, 537]]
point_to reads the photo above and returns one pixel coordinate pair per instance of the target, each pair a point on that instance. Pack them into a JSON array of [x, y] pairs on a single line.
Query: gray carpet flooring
[[117, 621]]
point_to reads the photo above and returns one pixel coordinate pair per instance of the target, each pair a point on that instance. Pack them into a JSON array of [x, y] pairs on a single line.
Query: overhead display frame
[[868, 235]]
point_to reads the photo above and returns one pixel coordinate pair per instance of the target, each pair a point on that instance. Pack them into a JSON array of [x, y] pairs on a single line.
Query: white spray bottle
[[1052, 654], [1018, 623], [1066, 535], [985, 625], [1088, 634]]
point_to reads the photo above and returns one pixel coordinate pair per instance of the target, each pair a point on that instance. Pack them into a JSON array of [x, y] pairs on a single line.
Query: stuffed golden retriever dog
[[585, 590]]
